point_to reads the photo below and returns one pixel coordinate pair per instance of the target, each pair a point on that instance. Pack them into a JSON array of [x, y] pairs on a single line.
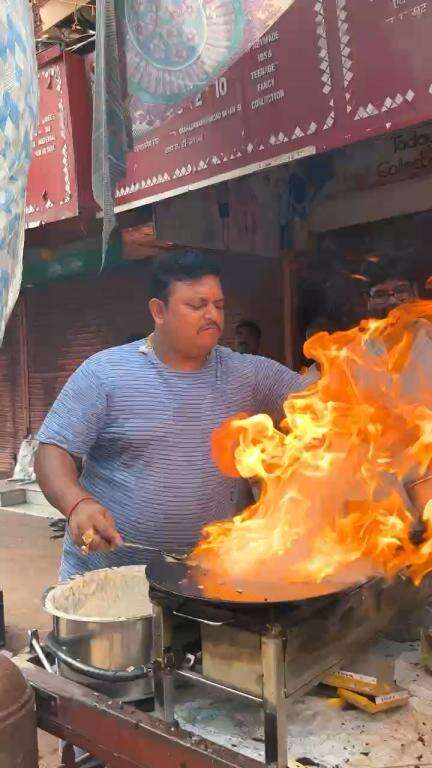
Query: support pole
[[275, 709]]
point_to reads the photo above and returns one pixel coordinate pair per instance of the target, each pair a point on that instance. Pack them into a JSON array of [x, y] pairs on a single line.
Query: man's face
[[388, 295], [192, 318], [246, 341]]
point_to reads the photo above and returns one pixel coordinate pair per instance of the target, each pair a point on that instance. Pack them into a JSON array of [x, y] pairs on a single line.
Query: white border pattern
[[53, 74]]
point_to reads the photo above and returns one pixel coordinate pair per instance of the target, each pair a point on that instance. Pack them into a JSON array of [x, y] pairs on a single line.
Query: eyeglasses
[[399, 292]]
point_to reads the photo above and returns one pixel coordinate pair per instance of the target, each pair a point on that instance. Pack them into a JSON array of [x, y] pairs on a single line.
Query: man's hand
[[417, 531], [93, 526], [419, 493]]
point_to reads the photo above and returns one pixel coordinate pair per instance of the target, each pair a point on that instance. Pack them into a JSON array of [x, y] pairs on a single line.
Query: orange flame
[[224, 443], [333, 504]]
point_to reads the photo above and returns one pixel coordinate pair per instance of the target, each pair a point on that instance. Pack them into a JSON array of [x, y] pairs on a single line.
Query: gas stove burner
[[268, 647], [194, 582]]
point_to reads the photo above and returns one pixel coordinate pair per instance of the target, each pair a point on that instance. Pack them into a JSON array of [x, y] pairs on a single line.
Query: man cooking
[[142, 416]]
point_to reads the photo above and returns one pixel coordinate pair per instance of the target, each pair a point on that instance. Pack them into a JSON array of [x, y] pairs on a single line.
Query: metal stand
[[274, 701], [163, 676]]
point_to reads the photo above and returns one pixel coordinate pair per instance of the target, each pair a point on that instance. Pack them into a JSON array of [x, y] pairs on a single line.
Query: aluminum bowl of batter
[[102, 631]]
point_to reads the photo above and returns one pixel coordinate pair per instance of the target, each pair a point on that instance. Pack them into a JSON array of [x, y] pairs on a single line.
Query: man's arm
[[274, 383], [68, 433], [57, 474]]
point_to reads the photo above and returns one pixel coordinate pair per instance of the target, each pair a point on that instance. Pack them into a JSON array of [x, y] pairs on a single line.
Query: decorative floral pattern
[[175, 48], [172, 49]]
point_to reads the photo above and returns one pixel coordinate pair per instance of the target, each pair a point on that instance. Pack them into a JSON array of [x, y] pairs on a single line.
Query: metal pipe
[[194, 677], [96, 673], [35, 644], [200, 621]]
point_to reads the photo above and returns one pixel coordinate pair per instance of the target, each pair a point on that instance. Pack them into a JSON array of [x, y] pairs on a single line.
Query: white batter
[[106, 595]]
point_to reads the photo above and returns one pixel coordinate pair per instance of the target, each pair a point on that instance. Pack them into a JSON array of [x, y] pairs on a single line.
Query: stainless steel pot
[[111, 656]]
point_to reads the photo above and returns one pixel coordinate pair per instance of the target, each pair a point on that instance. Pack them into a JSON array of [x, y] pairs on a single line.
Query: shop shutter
[[13, 381], [72, 320]]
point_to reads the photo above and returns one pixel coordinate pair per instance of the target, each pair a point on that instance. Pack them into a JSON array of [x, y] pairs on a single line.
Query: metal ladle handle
[[88, 537], [130, 545], [147, 548]]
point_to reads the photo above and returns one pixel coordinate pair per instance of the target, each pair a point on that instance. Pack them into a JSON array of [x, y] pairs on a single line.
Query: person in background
[[389, 285], [247, 337]]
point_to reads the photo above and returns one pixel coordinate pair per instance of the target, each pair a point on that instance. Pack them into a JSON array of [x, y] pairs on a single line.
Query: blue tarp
[[18, 123]]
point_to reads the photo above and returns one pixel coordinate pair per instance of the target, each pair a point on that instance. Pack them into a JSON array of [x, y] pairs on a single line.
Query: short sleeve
[[274, 383], [77, 416]]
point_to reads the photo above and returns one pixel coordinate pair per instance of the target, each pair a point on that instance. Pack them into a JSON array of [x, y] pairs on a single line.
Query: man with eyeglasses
[[387, 288]]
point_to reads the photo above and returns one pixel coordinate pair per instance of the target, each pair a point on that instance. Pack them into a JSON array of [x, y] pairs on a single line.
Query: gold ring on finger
[[87, 537]]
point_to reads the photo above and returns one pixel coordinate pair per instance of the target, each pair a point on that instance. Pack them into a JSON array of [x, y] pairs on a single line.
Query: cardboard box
[[374, 704]]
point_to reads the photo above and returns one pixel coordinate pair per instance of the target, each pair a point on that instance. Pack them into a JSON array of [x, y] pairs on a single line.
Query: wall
[[377, 179], [12, 394]]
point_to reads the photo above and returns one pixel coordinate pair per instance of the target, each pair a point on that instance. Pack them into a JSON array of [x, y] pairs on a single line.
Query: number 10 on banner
[[221, 88]]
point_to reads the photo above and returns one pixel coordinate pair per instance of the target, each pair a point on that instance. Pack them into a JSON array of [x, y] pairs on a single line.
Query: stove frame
[[280, 659], [291, 652]]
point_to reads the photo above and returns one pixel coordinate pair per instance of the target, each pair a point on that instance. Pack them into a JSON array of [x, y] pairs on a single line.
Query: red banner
[[59, 185], [386, 65], [328, 73]]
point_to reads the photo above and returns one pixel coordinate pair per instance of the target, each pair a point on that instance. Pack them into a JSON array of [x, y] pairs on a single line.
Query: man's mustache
[[211, 325]]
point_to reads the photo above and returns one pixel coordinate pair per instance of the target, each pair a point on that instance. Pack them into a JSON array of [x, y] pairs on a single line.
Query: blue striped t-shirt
[[145, 429]]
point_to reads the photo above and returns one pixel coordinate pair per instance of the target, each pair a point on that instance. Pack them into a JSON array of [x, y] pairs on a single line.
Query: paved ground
[[28, 564], [36, 504], [33, 510]]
